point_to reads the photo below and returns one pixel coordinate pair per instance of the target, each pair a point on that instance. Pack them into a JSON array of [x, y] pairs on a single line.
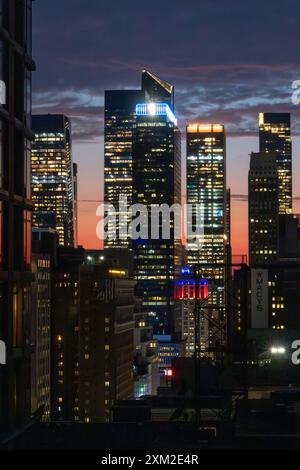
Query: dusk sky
[[228, 60]]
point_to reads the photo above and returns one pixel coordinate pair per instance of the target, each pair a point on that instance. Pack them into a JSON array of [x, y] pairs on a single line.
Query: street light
[[277, 350]]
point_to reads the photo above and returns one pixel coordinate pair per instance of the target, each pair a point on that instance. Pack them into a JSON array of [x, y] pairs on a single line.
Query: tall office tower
[[75, 193], [206, 186], [106, 343], [41, 331], [263, 209], [119, 120], [65, 334], [157, 181], [52, 176], [15, 213], [275, 137], [228, 215]]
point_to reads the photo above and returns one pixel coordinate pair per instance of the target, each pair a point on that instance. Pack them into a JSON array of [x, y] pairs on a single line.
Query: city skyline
[[162, 147], [229, 85]]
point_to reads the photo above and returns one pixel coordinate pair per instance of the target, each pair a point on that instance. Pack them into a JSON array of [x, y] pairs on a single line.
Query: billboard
[[259, 298]]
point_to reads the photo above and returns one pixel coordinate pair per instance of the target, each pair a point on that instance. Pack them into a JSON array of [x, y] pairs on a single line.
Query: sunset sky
[[227, 62]]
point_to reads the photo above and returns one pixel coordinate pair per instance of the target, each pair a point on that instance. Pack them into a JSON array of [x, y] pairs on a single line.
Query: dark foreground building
[[15, 213], [106, 341]]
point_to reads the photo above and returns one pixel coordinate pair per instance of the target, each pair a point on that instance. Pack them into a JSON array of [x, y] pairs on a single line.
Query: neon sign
[[188, 289]]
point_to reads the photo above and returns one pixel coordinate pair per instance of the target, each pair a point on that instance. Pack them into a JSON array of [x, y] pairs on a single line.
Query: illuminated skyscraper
[[263, 209], [128, 172], [119, 120], [15, 214], [157, 181], [52, 176], [206, 186], [275, 137]]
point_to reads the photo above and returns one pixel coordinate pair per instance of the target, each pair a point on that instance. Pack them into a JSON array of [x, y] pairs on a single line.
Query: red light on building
[[188, 290], [169, 373]]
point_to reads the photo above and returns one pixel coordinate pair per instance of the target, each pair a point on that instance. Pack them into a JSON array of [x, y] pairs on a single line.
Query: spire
[[157, 89]]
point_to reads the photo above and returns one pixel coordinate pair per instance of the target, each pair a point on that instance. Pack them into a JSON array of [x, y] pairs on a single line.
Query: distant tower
[[206, 186], [75, 193], [157, 180], [263, 209], [52, 176], [275, 137], [119, 121]]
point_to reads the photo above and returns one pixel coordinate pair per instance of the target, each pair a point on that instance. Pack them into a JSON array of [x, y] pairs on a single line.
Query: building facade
[[157, 181], [15, 213], [41, 333], [275, 138], [119, 121], [75, 195], [52, 176], [206, 187], [65, 334], [263, 209], [106, 342]]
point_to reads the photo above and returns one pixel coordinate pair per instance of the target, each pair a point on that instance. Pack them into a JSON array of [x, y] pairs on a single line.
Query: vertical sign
[[2, 92], [2, 353], [259, 298]]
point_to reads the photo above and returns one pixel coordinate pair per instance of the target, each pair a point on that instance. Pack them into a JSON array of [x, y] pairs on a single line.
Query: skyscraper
[[157, 181], [75, 195], [206, 186], [263, 209], [275, 137], [52, 176], [119, 120], [106, 340], [15, 214], [65, 334]]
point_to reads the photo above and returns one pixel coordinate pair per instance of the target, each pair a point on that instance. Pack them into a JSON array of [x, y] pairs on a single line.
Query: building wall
[[65, 334], [156, 180], [206, 187], [119, 121], [106, 342], [41, 334], [15, 212], [263, 209], [275, 137]]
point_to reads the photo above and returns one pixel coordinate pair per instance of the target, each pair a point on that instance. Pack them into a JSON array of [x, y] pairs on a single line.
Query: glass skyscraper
[[156, 181], [52, 176], [275, 137], [142, 162], [206, 186], [119, 120]]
